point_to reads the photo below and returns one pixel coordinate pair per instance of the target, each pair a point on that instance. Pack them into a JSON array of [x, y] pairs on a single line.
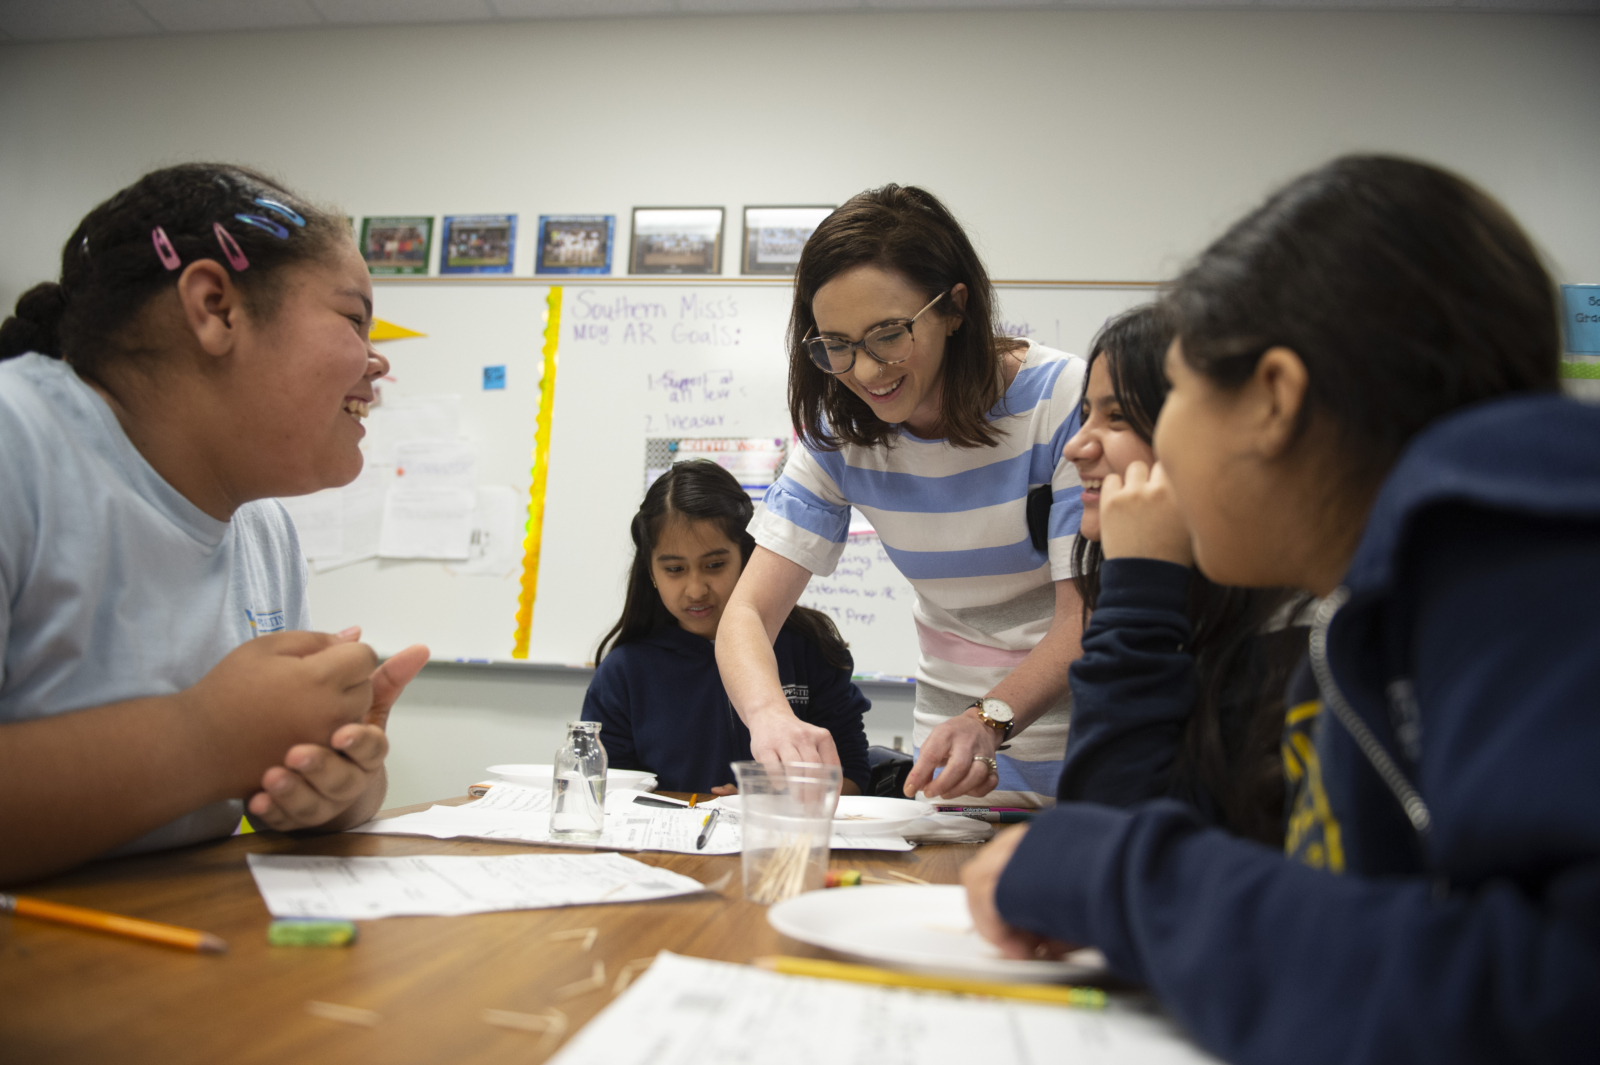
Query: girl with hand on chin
[[1179, 690], [1365, 405], [657, 694], [204, 351], [913, 411]]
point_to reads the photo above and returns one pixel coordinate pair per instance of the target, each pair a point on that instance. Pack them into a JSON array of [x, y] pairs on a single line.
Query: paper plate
[[926, 929], [537, 775], [870, 815]]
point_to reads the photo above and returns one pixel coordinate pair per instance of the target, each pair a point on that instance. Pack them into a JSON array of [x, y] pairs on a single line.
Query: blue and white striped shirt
[[954, 521]]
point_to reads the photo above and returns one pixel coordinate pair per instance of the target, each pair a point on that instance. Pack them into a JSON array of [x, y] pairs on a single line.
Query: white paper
[[318, 522], [428, 523], [688, 1011], [518, 814], [499, 521], [399, 420], [434, 464], [440, 886]]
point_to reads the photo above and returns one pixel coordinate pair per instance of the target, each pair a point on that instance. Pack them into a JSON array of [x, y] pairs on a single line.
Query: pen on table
[[1083, 997], [705, 829], [97, 920], [992, 815]]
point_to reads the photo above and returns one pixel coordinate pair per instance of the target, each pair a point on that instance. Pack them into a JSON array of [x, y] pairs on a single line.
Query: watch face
[[997, 710]]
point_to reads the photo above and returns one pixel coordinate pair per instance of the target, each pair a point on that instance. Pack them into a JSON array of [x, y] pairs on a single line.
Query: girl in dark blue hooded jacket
[[1365, 406], [657, 693]]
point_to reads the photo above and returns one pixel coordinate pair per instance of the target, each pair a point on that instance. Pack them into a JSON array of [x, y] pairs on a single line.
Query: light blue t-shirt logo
[[263, 623]]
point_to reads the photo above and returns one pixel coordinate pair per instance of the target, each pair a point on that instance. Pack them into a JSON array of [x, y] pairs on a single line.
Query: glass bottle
[[578, 802]]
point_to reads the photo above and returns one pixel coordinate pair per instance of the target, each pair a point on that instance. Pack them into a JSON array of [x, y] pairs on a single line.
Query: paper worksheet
[[448, 886], [521, 814], [686, 1011]]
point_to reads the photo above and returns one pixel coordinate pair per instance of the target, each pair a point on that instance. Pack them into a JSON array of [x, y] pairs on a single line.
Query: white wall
[[1076, 145]]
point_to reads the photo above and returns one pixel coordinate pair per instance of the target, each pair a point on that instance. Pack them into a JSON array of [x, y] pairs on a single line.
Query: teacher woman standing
[[913, 410]]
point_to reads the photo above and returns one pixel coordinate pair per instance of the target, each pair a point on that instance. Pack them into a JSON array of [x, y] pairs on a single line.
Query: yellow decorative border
[[541, 469]]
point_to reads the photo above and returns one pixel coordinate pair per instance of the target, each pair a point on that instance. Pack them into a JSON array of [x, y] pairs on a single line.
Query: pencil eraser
[[311, 932]]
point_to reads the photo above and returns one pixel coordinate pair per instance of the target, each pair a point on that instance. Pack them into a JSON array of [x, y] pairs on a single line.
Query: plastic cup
[[786, 821]]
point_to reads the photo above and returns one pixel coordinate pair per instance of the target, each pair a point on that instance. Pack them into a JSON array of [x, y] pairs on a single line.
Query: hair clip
[[164, 249], [278, 208], [230, 248], [279, 231]]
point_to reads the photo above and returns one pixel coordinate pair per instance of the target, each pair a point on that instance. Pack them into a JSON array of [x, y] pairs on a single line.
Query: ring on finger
[[994, 769]]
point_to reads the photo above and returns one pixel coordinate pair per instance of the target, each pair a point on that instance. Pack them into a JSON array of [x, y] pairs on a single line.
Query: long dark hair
[[700, 490], [1407, 292], [1244, 642], [112, 267], [907, 231]]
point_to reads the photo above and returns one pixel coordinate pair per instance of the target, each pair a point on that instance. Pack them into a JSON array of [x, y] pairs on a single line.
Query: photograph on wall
[[575, 243], [773, 237], [676, 240], [396, 245], [478, 243]]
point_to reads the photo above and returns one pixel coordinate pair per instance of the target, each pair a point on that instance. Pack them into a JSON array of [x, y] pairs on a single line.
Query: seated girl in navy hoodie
[[657, 693], [1365, 406], [1179, 692]]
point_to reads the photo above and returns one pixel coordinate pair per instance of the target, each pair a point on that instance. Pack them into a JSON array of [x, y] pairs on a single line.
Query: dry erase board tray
[[924, 929]]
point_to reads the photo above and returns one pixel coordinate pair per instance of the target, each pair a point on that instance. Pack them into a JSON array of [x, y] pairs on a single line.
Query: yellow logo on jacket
[[1313, 835]]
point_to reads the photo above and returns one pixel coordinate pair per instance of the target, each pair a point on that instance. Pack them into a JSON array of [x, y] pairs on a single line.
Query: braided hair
[[133, 246]]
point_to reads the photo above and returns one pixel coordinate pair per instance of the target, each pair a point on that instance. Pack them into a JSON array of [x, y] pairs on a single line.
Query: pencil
[[1083, 997], [168, 934]]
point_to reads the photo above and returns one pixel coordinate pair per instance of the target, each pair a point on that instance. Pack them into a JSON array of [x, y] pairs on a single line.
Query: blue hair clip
[[278, 208], [267, 224]]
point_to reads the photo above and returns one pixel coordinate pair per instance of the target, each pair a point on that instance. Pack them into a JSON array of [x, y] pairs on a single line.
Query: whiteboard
[[635, 361]]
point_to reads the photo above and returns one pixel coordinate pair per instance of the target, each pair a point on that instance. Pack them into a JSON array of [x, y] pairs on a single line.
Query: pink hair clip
[[230, 248], [164, 249]]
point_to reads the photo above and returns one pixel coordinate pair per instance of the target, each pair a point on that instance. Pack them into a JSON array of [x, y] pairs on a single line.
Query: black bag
[[889, 769]]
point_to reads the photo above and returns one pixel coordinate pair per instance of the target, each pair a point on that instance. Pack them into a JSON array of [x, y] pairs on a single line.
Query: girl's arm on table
[[768, 589]]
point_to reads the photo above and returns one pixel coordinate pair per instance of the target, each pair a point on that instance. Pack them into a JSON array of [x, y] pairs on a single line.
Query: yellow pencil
[[1083, 997], [168, 934]]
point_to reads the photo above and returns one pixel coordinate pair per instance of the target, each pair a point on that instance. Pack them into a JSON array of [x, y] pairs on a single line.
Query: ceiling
[[59, 20]]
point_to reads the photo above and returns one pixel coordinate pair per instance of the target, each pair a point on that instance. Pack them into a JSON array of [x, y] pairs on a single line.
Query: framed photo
[[773, 237], [397, 245], [575, 243], [676, 240], [478, 243]]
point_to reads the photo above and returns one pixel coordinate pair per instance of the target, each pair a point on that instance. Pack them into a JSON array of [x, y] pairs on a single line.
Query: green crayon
[[311, 932]]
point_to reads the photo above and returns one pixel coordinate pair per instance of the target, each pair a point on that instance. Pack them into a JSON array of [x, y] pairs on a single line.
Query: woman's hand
[[779, 736], [981, 877], [341, 784], [957, 746], [1139, 517]]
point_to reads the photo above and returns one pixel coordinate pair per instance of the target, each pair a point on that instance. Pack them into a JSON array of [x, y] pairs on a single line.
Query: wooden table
[[73, 996]]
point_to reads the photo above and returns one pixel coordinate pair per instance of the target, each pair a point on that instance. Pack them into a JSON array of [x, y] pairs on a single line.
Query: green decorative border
[[1581, 371]]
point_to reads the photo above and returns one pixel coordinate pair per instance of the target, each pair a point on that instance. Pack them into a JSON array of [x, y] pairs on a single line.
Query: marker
[[705, 831]]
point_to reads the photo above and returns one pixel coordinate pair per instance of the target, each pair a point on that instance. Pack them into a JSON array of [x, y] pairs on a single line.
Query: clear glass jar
[[578, 801]]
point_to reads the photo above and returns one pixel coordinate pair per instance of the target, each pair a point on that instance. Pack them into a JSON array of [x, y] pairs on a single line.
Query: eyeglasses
[[888, 343]]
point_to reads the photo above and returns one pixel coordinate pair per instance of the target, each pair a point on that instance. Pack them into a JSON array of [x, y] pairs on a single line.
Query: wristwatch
[[997, 714]]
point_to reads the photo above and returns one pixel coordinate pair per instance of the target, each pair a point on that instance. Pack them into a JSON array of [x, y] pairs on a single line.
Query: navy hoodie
[[662, 707], [1442, 898]]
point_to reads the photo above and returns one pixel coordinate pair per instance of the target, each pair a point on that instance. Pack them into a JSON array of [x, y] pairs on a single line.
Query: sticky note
[[494, 377], [1580, 318], [311, 932]]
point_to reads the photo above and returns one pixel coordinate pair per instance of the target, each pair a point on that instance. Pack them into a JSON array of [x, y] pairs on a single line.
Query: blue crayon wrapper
[[311, 932]]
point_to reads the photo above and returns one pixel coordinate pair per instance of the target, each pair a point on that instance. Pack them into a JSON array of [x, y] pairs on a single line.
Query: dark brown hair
[[1231, 737], [1407, 292], [700, 490], [907, 231], [111, 270]]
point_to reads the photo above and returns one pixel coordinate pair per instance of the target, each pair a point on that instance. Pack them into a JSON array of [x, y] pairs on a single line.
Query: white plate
[[926, 929], [540, 775], [871, 815]]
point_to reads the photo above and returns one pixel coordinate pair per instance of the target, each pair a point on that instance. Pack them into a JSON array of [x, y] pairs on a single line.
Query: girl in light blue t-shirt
[[205, 350]]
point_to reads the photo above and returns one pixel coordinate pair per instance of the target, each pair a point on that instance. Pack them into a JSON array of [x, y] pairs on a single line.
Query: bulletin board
[[560, 399]]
